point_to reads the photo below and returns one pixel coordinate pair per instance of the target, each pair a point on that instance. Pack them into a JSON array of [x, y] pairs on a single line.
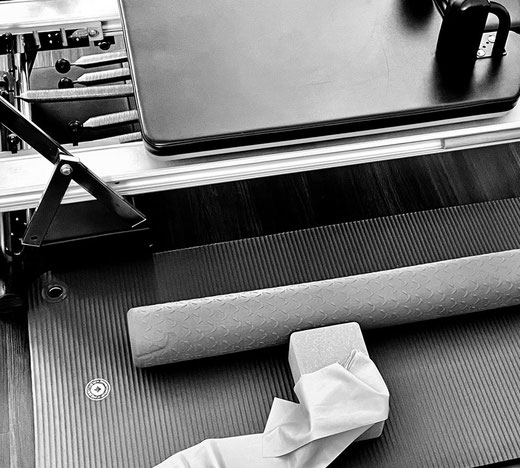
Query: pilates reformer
[[210, 109]]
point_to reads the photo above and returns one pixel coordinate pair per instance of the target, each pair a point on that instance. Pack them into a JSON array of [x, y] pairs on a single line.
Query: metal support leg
[[67, 168], [48, 206]]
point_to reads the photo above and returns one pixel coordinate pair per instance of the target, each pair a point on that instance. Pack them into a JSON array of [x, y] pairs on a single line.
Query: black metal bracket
[[67, 168]]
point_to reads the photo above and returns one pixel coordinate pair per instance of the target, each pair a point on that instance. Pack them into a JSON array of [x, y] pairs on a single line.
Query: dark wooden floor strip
[[235, 210], [20, 395], [4, 451], [4, 402]]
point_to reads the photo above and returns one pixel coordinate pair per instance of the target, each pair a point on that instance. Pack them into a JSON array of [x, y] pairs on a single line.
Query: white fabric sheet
[[337, 404]]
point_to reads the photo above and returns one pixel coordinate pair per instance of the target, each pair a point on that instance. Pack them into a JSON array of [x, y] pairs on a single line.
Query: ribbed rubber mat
[[454, 383], [455, 393], [339, 250]]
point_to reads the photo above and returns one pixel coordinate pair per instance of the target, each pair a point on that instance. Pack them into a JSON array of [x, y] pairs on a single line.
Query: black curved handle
[[504, 24], [462, 29]]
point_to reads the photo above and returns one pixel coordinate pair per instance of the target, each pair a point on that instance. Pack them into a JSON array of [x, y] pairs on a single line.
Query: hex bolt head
[[66, 170], [93, 32]]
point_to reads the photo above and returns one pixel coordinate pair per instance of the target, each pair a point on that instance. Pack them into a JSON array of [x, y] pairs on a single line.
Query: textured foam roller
[[192, 329]]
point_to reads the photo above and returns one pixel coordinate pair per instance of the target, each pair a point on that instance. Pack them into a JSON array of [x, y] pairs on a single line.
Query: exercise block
[[311, 350]]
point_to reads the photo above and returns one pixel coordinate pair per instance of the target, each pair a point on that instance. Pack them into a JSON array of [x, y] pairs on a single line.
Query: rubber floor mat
[[454, 383]]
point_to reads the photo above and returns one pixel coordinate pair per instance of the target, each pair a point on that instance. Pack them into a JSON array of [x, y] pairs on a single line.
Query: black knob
[[461, 33], [13, 141], [65, 83], [75, 127], [104, 45], [62, 65]]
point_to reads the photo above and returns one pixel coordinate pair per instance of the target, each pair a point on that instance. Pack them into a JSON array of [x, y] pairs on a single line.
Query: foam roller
[[198, 328]]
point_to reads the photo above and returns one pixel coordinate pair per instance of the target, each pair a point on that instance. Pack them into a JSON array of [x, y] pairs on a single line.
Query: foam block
[[311, 350]]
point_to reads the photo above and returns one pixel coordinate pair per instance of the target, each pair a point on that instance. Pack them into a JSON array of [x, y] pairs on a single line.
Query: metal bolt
[[65, 83], [66, 169], [62, 65], [93, 32], [104, 45], [481, 53], [13, 139], [491, 38]]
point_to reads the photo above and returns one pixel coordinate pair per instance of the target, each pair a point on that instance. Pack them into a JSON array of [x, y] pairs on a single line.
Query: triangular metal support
[[67, 167]]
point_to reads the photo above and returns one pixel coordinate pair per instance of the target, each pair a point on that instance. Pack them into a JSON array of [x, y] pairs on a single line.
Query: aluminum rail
[[131, 170], [20, 16]]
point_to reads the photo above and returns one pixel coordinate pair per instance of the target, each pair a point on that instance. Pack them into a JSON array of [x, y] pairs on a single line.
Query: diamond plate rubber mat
[[454, 382]]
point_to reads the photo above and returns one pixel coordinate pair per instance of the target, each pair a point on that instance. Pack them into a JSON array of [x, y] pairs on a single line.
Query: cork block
[[310, 350]]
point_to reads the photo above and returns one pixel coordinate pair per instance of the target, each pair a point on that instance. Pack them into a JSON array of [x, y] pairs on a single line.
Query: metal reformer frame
[[67, 168]]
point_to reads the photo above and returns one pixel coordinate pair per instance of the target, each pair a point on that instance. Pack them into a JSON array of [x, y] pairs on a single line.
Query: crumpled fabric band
[[337, 404]]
